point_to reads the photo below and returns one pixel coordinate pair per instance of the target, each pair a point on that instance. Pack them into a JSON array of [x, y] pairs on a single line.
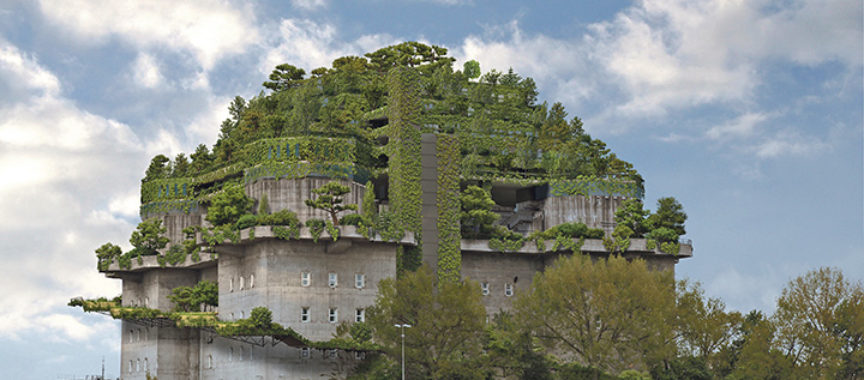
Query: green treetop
[[330, 200]]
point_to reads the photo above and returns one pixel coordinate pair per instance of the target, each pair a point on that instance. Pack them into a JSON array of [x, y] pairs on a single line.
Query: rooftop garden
[[338, 122]]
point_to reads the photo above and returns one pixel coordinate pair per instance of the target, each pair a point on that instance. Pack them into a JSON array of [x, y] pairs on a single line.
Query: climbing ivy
[[447, 202], [403, 112]]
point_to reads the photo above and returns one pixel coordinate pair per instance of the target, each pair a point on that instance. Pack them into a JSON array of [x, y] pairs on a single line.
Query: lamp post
[[403, 326]]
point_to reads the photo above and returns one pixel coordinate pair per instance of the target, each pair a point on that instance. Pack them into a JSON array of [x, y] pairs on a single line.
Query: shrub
[[351, 220], [280, 218], [228, 205], [246, 221], [316, 226]]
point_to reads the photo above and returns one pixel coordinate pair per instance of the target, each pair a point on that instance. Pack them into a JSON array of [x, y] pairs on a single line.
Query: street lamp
[[403, 326]]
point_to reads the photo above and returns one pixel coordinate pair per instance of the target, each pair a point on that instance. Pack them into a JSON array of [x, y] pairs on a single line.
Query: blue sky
[[748, 112]]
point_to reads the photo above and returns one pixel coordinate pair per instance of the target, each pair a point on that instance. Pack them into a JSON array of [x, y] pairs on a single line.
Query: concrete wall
[[429, 189], [594, 211], [277, 266], [292, 193], [499, 270], [229, 359]]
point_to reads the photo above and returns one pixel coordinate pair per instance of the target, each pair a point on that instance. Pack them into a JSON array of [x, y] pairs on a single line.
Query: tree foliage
[[190, 298], [330, 200], [609, 314], [476, 215], [446, 333], [148, 236], [227, 206]]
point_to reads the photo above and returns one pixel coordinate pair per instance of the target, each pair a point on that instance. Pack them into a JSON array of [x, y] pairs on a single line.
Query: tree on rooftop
[[158, 168], [148, 236], [476, 216], [330, 200], [284, 76], [228, 205]]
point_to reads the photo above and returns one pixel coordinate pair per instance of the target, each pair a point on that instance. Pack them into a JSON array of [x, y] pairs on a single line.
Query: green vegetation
[[329, 199], [662, 229], [190, 298], [476, 218]]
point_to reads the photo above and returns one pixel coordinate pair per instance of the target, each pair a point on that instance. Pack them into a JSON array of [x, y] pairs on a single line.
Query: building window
[[146, 301], [359, 280], [333, 315], [146, 365], [230, 354], [251, 281], [231, 284], [359, 355], [130, 366], [305, 279], [304, 352], [232, 316], [242, 314], [508, 290], [242, 353], [484, 288], [304, 315], [332, 354], [360, 316], [332, 280], [241, 282], [131, 336], [209, 361], [137, 365]]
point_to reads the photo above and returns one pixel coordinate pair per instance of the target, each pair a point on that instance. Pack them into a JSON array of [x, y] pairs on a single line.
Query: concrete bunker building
[[312, 284]]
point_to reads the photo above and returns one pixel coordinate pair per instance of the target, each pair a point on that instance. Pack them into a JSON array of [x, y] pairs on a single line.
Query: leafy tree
[[511, 351], [227, 206], [471, 69], [284, 76], [147, 237], [445, 340], [810, 320], [330, 200], [180, 168], [704, 326], [369, 209], [476, 216], [158, 168], [190, 298], [201, 160], [608, 314], [670, 214], [631, 214], [261, 317]]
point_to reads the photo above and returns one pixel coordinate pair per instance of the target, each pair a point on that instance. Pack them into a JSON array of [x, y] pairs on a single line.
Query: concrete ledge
[[590, 245], [150, 262]]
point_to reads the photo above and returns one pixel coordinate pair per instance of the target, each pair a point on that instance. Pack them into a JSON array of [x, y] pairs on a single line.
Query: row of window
[[305, 280], [242, 283], [135, 335], [332, 315], [486, 289], [136, 366]]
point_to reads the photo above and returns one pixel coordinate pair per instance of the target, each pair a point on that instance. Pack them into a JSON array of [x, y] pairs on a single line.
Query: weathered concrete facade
[[312, 287]]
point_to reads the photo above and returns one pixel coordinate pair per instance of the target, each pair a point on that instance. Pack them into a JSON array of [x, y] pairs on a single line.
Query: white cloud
[[59, 164], [209, 29], [309, 45], [29, 75], [309, 4], [145, 72], [742, 126], [790, 143], [676, 53]]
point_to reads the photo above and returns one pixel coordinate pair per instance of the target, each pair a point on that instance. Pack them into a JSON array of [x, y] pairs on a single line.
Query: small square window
[[304, 352], [332, 280], [359, 280], [333, 315], [508, 290], [360, 315], [359, 355], [332, 354], [484, 288], [305, 279], [304, 315]]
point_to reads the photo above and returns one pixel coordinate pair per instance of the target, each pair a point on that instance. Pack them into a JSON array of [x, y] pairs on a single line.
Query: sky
[[748, 112]]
